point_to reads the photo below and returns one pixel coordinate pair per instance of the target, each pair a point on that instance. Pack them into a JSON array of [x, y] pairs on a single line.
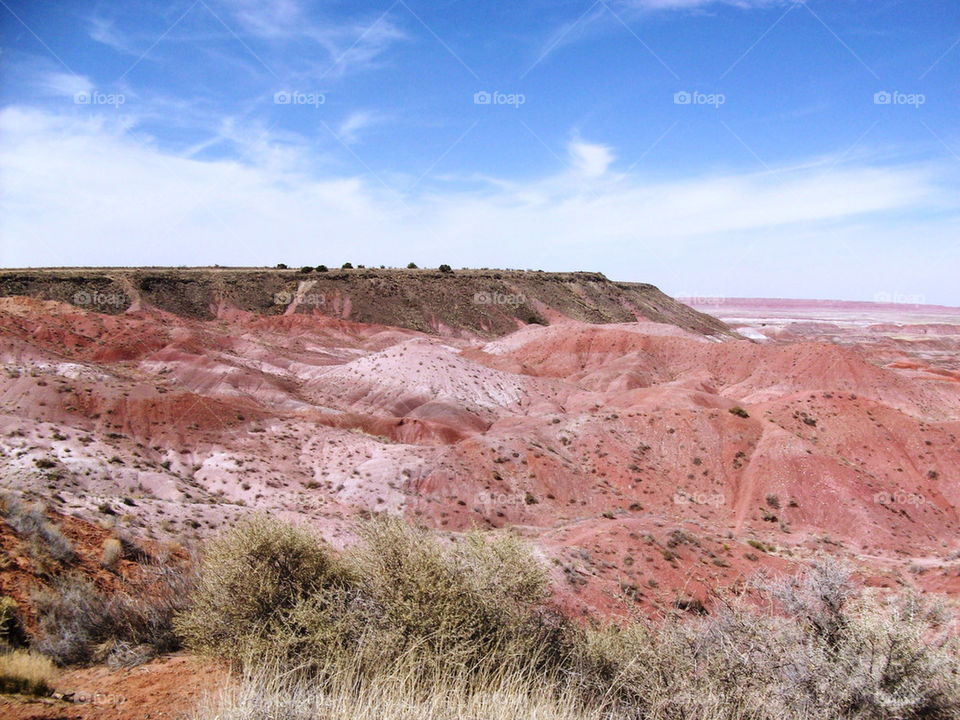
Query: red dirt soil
[[166, 688], [611, 447]]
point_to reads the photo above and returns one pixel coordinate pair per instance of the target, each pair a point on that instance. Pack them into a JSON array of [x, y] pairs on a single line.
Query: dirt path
[[167, 688]]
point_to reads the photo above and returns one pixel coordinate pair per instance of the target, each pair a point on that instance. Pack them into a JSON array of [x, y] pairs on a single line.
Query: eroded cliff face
[[477, 302], [611, 444]]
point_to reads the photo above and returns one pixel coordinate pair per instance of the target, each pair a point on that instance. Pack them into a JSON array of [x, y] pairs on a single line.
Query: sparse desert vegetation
[[409, 624]]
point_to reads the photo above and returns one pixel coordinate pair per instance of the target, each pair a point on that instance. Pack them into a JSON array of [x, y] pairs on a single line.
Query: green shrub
[[739, 412], [263, 587]]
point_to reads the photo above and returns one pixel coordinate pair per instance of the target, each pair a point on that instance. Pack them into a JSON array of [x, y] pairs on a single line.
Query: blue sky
[[714, 148]]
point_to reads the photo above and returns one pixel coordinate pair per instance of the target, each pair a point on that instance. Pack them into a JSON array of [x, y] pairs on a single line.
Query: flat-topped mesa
[[478, 302]]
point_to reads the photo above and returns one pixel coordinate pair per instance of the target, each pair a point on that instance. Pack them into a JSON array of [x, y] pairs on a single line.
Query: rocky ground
[[653, 461]]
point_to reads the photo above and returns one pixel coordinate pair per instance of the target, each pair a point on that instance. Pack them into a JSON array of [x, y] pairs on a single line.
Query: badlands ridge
[[653, 453]]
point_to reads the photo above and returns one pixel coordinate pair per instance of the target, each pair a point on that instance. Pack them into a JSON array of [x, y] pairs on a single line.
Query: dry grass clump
[[410, 624], [80, 623], [112, 552], [26, 673], [29, 521], [403, 695], [12, 634]]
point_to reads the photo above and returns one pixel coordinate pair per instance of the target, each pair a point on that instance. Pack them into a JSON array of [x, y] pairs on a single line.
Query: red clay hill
[[650, 451]]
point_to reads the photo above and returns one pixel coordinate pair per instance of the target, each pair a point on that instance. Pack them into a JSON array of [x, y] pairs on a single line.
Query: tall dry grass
[[26, 673], [405, 693]]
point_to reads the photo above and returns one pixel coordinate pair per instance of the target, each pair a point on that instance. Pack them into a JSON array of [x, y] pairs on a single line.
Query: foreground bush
[[26, 673], [266, 588], [467, 602], [411, 625], [273, 590], [80, 623]]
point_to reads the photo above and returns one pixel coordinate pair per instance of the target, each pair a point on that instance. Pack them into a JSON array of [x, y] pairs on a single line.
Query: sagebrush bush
[[466, 601], [265, 588], [273, 590], [897, 660], [79, 623]]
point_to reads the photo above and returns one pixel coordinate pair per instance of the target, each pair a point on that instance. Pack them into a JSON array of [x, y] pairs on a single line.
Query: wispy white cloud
[[62, 83], [349, 130], [277, 19], [688, 4], [591, 159], [350, 44], [604, 17], [105, 32], [85, 191]]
